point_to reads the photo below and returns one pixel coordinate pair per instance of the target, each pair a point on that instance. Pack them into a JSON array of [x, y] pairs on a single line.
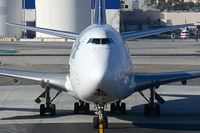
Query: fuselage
[[100, 65]]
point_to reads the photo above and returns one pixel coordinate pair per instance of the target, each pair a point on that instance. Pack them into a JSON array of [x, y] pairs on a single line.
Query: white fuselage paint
[[100, 66]]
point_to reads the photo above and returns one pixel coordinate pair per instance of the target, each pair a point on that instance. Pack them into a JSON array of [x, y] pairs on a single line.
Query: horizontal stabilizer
[[145, 33], [64, 34]]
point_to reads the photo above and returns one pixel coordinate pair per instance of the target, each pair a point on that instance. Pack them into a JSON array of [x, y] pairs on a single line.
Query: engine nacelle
[[184, 82]]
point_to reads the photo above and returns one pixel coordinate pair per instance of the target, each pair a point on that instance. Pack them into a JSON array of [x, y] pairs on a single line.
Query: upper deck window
[[100, 41]]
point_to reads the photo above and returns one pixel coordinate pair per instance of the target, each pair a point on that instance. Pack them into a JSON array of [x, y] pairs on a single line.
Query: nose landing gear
[[101, 120]]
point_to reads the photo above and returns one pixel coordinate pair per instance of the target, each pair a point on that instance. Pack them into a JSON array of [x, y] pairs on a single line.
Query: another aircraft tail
[[100, 12]]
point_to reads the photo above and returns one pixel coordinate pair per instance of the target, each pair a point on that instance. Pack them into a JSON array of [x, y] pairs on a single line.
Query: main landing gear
[[48, 107], [81, 107], [151, 108], [118, 106]]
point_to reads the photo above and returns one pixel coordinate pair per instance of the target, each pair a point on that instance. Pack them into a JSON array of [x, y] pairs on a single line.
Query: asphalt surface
[[86, 127], [18, 112], [180, 114]]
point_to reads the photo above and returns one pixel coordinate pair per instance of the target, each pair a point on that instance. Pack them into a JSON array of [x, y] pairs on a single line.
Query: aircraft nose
[[95, 77], [102, 79], [97, 74]]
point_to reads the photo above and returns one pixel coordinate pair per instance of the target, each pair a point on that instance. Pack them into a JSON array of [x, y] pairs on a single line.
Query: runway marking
[[133, 55]]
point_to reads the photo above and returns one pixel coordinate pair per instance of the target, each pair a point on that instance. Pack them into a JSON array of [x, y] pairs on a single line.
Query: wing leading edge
[[145, 81], [63, 34], [140, 34], [59, 82]]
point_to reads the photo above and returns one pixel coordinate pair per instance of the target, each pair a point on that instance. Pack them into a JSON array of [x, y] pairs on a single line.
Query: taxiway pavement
[[181, 112]]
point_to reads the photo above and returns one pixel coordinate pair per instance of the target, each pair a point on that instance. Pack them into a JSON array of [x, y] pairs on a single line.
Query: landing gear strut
[[101, 120], [81, 107], [118, 106], [47, 107], [152, 108]]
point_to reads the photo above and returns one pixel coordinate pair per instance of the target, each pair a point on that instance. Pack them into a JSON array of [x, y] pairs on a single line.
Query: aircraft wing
[[53, 80], [63, 34], [145, 81], [140, 34]]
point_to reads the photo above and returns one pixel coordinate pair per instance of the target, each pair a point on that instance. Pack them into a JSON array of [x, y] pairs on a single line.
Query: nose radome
[[98, 73], [95, 77]]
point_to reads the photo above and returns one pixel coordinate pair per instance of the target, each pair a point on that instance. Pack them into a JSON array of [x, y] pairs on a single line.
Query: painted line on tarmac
[[149, 55]]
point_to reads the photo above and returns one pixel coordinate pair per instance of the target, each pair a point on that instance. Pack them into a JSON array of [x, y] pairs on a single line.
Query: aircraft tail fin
[[100, 12]]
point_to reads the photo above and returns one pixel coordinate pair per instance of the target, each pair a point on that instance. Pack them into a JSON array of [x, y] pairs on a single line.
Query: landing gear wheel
[[112, 108], [152, 108], [76, 108], [48, 108], [42, 110], [95, 122], [153, 111], [53, 109], [87, 108], [123, 108], [146, 110], [157, 110]]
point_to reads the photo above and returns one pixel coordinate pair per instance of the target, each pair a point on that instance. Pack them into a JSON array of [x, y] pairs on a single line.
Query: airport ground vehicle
[[184, 34]]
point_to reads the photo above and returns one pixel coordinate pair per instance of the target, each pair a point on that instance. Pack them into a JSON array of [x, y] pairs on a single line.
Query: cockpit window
[[96, 41], [100, 40]]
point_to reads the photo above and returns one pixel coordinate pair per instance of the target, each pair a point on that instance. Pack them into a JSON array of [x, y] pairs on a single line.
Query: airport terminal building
[[66, 15]]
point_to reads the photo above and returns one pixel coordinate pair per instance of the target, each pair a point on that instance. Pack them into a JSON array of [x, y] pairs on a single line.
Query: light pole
[[24, 18]]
